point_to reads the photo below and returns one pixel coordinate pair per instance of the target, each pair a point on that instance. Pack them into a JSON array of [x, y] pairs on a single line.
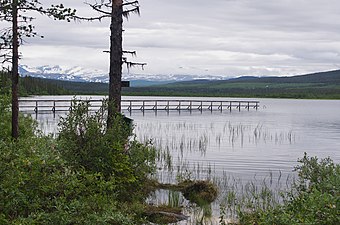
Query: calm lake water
[[244, 145]]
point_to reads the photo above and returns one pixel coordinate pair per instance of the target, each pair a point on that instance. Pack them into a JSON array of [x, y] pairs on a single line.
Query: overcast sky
[[201, 37]]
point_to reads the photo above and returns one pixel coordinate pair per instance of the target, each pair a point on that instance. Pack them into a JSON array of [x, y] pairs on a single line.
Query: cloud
[[217, 37]]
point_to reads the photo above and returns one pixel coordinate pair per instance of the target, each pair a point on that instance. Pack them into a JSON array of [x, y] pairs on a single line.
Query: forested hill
[[32, 86], [321, 77], [325, 85]]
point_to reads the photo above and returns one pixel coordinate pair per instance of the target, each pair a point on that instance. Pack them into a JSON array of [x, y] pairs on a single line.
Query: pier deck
[[141, 105]]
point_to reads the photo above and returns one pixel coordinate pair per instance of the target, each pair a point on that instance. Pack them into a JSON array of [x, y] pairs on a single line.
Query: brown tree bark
[[15, 73], [116, 51]]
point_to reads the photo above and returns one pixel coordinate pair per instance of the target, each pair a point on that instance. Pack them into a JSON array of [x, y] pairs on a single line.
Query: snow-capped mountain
[[77, 73], [80, 74]]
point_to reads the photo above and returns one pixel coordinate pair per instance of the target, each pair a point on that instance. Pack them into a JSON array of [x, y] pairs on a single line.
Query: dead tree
[[115, 10], [15, 13]]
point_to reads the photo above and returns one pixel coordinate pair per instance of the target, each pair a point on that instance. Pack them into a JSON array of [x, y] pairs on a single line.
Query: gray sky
[[216, 37]]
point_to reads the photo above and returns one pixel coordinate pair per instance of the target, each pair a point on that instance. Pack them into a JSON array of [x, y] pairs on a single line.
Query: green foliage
[[27, 125], [323, 175], [86, 142], [5, 83], [314, 198], [40, 185], [5, 116], [37, 187]]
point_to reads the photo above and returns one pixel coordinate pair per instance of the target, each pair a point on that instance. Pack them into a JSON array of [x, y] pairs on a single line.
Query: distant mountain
[[79, 74], [329, 77]]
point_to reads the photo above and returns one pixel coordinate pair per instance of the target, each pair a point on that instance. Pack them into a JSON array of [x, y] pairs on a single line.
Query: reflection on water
[[248, 145]]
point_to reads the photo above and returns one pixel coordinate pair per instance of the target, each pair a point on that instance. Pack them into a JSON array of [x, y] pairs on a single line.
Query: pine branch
[[133, 64], [56, 11], [126, 13]]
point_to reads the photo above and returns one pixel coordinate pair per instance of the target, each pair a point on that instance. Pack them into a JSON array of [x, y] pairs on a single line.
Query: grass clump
[[199, 192]]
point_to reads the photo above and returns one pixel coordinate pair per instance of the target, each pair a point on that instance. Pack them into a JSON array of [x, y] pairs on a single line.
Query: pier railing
[[141, 105]]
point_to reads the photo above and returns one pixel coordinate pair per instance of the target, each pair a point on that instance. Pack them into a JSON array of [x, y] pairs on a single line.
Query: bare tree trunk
[[116, 51], [15, 74]]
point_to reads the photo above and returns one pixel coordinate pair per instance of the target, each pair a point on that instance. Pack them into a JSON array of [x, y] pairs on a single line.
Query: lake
[[245, 145]]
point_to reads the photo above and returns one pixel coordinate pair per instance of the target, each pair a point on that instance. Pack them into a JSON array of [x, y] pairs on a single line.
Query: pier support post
[[36, 107], [53, 108], [130, 107]]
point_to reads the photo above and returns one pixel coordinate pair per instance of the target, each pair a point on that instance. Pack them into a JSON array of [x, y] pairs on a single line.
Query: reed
[[182, 145], [254, 195]]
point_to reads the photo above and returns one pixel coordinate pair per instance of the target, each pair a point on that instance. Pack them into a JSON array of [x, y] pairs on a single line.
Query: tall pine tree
[[16, 12], [115, 10]]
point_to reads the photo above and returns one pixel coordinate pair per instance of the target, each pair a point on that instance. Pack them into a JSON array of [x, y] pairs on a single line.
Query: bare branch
[[134, 3], [99, 18], [97, 7], [133, 53]]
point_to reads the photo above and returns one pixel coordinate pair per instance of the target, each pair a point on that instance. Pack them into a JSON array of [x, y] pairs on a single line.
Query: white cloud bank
[[199, 37]]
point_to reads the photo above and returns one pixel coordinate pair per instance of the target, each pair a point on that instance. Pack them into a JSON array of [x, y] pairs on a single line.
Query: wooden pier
[[54, 106]]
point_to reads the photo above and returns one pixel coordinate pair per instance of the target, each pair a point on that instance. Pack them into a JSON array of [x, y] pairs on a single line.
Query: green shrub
[[314, 198], [41, 185], [86, 142], [27, 126]]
